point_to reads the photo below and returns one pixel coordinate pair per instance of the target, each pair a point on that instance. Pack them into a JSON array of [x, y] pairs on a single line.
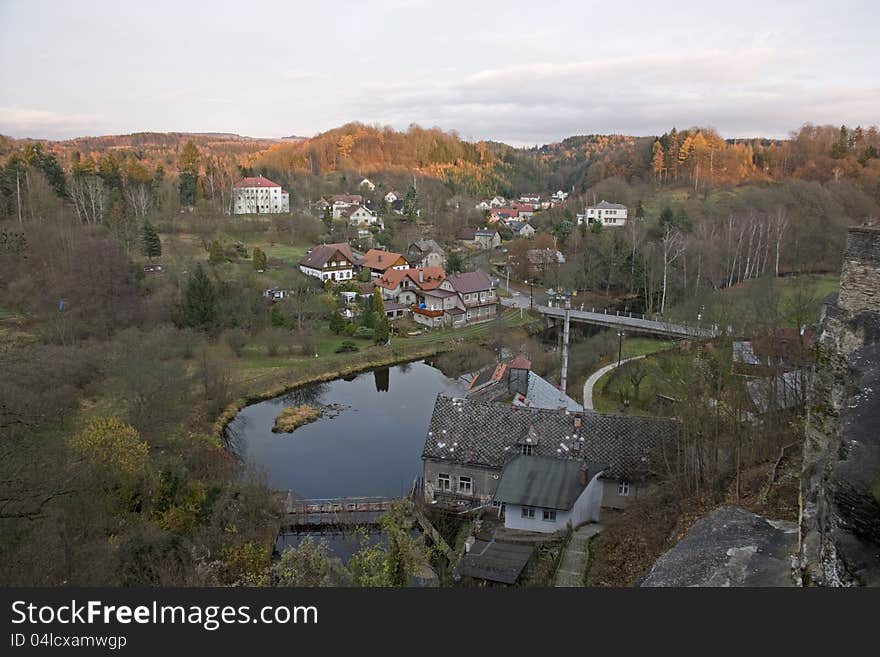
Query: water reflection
[[382, 376], [368, 442]]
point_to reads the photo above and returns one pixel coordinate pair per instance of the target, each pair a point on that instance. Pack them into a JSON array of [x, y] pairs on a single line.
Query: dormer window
[[527, 450]]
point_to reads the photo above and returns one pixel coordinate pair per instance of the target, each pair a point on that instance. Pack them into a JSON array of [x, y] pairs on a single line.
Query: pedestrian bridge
[[634, 322]]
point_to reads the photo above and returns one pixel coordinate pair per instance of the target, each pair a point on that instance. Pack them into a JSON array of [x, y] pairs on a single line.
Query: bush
[[346, 346], [237, 341], [364, 332]]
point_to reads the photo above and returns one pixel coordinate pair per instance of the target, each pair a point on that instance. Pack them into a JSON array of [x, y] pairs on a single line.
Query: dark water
[[370, 446]]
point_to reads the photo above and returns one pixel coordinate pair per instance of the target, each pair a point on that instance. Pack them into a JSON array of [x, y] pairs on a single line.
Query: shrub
[[237, 341], [364, 332], [346, 346]]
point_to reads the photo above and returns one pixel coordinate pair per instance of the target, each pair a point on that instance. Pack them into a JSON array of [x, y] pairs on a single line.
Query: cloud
[[741, 92], [26, 122]]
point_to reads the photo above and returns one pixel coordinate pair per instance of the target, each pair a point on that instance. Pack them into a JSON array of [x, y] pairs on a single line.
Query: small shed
[[494, 562]]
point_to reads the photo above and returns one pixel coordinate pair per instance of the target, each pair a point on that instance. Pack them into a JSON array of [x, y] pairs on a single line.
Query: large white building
[[259, 195], [605, 213]]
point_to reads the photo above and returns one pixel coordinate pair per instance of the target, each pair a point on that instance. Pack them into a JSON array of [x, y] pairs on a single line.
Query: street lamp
[[620, 335]]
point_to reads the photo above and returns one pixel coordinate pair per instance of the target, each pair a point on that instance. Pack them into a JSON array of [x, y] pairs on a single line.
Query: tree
[[337, 323], [188, 163], [114, 450], [259, 259], [150, 242], [454, 262], [216, 255], [657, 162], [200, 301], [411, 204]]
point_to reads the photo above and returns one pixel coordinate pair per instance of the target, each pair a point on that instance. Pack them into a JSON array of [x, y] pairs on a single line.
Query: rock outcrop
[[840, 485]]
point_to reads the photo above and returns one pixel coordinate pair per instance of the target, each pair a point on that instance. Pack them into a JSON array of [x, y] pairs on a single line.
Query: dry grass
[[295, 416]]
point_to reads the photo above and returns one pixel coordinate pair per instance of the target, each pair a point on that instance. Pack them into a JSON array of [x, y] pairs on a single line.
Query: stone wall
[[840, 485]]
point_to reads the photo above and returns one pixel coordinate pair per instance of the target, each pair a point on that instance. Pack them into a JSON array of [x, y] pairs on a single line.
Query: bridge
[[304, 514], [634, 322]]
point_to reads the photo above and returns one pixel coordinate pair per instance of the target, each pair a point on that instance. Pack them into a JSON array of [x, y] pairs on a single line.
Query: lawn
[[616, 384], [290, 255]]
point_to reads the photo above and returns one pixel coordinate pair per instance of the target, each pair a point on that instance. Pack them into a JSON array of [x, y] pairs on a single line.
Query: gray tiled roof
[[543, 394], [603, 205], [544, 482], [489, 434]]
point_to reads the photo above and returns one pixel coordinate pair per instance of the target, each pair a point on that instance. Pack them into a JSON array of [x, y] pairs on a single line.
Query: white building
[[545, 494], [605, 213], [358, 215], [366, 182], [259, 195]]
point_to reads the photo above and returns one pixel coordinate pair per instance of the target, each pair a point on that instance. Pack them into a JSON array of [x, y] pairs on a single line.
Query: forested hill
[[698, 158]]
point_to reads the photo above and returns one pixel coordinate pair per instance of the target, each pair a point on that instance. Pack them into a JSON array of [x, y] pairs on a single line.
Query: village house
[[781, 350], [530, 198], [426, 253], [514, 382], [456, 300], [482, 205], [359, 215], [524, 210], [520, 228], [408, 286], [495, 563], [329, 262], [259, 195], [393, 195], [503, 214], [339, 203], [368, 184], [546, 494], [379, 262], [497, 202], [604, 213], [469, 443], [482, 238]]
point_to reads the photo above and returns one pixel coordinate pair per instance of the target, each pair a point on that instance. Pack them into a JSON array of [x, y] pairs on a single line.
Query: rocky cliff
[[840, 489]]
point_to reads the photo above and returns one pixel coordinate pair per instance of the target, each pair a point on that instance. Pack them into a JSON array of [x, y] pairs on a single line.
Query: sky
[[520, 72]]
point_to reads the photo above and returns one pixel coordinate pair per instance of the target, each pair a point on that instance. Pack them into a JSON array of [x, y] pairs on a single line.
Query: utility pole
[[531, 294], [565, 353], [619, 347]]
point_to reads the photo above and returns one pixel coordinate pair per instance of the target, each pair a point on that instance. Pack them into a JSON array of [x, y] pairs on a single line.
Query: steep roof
[[255, 181], [544, 481], [431, 278], [379, 259], [489, 433], [543, 394], [356, 199], [351, 209], [471, 281], [426, 245], [320, 255]]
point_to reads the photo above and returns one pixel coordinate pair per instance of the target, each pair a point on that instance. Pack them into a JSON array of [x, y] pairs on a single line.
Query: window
[[550, 515], [528, 512], [527, 449], [623, 488], [465, 485], [444, 482]]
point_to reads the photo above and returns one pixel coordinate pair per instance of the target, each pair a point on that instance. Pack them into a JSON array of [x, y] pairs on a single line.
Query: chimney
[[469, 543], [421, 275]]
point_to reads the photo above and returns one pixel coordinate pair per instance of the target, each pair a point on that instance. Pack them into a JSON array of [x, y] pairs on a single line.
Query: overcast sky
[[521, 72]]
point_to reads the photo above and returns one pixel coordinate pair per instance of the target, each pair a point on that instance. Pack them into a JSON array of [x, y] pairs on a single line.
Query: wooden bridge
[[304, 514]]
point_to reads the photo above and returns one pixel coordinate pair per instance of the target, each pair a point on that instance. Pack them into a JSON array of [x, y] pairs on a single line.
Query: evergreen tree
[[150, 242], [380, 321], [259, 259], [640, 210], [454, 263], [200, 301], [337, 323], [216, 255], [411, 204]]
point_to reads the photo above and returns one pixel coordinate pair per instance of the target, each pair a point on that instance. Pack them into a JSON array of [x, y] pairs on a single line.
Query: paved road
[[571, 568], [595, 376]]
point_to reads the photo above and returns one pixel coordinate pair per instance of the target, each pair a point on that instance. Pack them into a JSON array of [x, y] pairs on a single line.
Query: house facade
[[259, 195], [426, 253], [339, 203], [604, 213], [329, 262], [469, 443], [359, 215], [545, 494]]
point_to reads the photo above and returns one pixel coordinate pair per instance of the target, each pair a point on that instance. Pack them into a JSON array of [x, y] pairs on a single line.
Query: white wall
[[585, 509]]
